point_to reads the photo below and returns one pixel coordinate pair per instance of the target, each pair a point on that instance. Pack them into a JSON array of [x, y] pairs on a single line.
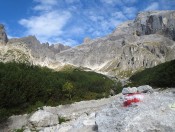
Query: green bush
[[25, 87], [3, 115], [162, 75], [19, 130], [118, 87]]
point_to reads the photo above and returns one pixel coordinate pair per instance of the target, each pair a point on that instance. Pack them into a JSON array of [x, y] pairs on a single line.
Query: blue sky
[[70, 21]]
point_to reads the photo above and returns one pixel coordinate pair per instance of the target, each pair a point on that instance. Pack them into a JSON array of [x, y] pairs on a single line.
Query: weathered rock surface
[[29, 50], [43, 119], [140, 89], [134, 45], [144, 89], [16, 52], [3, 36], [81, 117], [152, 114], [129, 90], [42, 54], [156, 22]]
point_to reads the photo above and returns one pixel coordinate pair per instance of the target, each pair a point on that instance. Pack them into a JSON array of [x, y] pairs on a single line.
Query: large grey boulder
[[43, 119]]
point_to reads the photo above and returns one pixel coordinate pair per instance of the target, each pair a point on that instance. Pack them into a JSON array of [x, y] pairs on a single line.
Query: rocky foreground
[[155, 112]]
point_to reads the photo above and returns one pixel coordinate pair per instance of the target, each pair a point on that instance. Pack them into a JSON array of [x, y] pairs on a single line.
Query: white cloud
[[69, 42], [72, 1], [153, 6], [46, 25], [119, 15], [47, 2], [130, 2], [49, 22], [112, 2], [76, 30], [119, 2], [130, 12], [96, 18], [10, 36], [45, 5]]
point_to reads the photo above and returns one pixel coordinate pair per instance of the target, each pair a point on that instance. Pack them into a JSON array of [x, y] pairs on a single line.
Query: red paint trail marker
[[132, 98]]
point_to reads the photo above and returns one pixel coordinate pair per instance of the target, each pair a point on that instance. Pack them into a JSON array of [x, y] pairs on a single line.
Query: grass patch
[[19, 130], [62, 119]]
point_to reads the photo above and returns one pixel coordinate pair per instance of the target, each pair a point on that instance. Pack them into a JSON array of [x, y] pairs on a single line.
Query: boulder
[[144, 89], [129, 90], [17, 122], [42, 118]]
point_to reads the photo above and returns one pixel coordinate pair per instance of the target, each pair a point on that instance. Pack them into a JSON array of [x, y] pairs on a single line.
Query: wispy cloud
[[69, 21], [113, 2], [45, 5], [152, 6], [48, 23]]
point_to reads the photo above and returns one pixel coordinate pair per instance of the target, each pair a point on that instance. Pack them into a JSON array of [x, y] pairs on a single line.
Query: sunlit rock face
[[134, 45], [157, 22], [29, 49]]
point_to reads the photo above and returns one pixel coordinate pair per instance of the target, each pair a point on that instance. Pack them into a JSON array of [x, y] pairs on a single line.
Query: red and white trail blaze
[[132, 98]]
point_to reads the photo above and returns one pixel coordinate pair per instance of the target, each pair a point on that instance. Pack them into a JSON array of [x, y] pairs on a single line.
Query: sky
[[70, 21]]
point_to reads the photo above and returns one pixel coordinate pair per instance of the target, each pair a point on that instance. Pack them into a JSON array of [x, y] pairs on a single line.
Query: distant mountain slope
[[134, 45], [29, 49], [162, 75]]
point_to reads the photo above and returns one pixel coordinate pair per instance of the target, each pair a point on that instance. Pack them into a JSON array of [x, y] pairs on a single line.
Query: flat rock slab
[[152, 114]]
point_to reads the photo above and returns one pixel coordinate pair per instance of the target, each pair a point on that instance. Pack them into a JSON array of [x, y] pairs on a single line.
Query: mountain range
[[144, 42]]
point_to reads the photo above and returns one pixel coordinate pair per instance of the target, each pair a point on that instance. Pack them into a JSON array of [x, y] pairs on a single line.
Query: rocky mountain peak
[[156, 22], [86, 40], [59, 47], [134, 45], [141, 43], [3, 36]]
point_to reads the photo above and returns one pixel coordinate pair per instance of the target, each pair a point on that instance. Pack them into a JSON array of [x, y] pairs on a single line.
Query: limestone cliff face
[[134, 45], [30, 50], [3, 36], [157, 22]]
